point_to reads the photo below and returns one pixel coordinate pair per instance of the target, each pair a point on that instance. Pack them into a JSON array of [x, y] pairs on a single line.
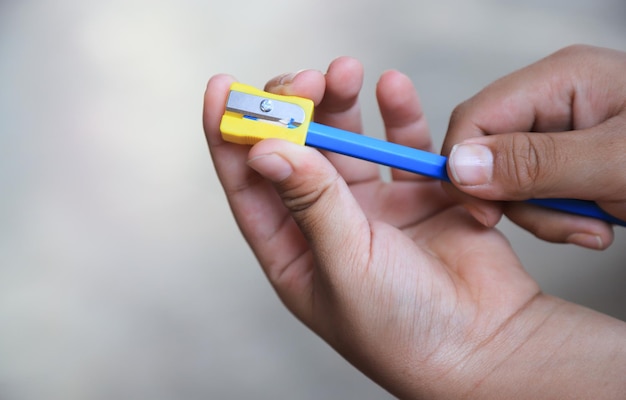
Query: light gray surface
[[122, 273]]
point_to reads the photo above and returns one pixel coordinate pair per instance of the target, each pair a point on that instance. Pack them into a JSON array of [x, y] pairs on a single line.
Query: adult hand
[[556, 128], [402, 282]]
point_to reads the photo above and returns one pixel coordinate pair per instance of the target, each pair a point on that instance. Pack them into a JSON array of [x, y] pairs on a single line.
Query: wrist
[[551, 349]]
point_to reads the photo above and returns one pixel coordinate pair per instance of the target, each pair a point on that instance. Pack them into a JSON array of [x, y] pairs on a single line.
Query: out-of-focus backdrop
[[122, 273]]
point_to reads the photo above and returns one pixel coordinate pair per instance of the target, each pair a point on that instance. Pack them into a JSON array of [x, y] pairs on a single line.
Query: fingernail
[[588, 240], [471, 164], [288, 78], [271, 166]]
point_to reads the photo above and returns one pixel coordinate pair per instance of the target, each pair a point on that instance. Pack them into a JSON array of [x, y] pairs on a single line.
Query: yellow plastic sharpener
[[253, 115]]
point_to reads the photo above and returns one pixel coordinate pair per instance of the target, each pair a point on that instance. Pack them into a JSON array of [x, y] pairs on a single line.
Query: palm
[[430, 266]]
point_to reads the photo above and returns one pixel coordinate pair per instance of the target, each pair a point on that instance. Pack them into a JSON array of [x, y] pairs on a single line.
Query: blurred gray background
[[122, 273]]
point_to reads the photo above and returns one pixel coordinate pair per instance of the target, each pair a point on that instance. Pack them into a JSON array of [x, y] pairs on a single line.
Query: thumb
[[319, 201], [586, 164]]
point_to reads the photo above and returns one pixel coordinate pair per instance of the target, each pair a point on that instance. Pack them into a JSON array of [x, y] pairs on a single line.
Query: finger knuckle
[[302, 196], [573, 50], [529, 161], [458, 113]]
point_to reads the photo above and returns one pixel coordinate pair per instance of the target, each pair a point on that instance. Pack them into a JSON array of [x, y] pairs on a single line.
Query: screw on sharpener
[[266, 105]]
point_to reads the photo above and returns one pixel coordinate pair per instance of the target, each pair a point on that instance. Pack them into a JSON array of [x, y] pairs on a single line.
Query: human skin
[[396, 276], [556, 128]]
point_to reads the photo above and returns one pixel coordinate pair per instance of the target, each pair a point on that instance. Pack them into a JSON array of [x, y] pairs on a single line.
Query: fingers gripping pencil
[[253, 115]]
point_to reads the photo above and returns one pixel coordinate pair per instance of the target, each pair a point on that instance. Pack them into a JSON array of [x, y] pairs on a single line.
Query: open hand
[[397, 277]]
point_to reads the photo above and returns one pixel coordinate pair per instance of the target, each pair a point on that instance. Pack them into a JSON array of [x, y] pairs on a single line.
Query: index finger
[[336, 97], [229, 159]]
